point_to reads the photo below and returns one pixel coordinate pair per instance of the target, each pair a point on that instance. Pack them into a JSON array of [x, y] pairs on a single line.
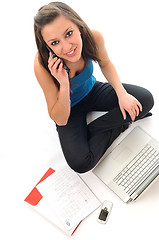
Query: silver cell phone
[[105, 211]]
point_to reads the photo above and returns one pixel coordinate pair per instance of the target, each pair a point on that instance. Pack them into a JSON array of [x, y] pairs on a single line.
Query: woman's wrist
[[65, 84], [64, 95], [120, 91]]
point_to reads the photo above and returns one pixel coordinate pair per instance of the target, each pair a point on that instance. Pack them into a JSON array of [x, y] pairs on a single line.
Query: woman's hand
[[130, 104], [55, 66]]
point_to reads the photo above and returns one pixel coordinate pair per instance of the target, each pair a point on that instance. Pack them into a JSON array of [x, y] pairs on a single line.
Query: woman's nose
[[66, 46]]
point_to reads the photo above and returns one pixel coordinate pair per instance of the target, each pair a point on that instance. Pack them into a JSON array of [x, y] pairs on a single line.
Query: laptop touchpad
[[121, 155]]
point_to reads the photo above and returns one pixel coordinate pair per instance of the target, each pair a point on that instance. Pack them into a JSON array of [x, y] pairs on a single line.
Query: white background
[[28, 139]]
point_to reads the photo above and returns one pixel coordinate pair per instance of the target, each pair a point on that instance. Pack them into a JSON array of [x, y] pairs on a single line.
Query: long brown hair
[[47, 14]]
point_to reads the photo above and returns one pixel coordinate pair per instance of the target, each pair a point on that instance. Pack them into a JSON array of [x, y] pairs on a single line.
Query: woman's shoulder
[[42, 75], [101, 49], [97, 36], [100, 42], [37, 63], [38, 67]]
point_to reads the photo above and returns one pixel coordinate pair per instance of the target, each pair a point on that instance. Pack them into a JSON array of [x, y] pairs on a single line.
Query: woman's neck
[[76, 68]]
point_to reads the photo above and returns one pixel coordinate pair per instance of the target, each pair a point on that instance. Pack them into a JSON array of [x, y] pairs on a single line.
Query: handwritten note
[[68, 196]]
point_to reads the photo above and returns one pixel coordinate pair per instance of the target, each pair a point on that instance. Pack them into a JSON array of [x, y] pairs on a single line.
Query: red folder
[[35, 196]]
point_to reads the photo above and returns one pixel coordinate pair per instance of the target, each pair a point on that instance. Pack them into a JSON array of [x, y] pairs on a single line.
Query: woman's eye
[[54, 43], [69, 34]]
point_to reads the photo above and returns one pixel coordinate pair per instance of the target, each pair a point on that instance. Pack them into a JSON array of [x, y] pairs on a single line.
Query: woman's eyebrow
[[63, 33]]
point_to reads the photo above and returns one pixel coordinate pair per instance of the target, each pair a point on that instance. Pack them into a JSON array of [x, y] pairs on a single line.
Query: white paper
[[45, 210], [68, 196]]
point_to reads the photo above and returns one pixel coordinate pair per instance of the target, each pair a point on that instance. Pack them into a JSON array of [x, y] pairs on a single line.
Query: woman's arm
[[126, 101], [58, 101]]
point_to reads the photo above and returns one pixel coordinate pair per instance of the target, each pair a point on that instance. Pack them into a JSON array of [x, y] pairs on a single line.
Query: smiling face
[[64, 38]]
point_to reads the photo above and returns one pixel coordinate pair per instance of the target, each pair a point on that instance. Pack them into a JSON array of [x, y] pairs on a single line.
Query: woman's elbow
[[60, 118], [59, 121], [62, 122]]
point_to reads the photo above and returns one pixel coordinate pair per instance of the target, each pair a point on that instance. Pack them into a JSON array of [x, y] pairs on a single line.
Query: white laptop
[[132, 166]]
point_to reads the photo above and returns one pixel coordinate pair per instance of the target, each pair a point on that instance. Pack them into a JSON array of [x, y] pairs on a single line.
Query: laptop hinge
[[147, 182]]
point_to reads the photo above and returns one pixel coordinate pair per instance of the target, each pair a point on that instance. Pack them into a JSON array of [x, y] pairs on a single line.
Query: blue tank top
[[82, 84]]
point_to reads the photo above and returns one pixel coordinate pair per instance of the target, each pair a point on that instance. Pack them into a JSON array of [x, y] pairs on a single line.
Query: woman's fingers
[[54, 64], [135, 111]]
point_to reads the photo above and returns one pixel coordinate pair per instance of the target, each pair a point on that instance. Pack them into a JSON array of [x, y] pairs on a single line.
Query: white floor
[[28, 139]]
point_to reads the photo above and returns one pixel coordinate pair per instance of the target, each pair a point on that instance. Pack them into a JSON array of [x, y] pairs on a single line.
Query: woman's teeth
[[70, 52]]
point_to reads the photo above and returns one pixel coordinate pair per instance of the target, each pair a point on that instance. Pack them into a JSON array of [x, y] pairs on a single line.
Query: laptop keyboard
[[138, 169]]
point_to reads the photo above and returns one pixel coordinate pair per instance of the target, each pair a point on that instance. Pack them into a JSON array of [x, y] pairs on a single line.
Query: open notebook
[[63, 198]]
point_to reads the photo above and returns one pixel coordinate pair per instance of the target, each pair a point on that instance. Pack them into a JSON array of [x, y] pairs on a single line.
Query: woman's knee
[[81, 164], [147, 100], [143, 95]]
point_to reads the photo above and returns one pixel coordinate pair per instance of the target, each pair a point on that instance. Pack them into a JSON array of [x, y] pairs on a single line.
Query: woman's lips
[[71, 53]]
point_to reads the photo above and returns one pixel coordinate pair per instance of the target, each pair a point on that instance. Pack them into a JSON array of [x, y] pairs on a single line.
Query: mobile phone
[[105, 211], [54, 55]]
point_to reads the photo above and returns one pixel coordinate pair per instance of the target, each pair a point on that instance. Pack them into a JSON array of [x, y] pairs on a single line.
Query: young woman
[[71, 95]]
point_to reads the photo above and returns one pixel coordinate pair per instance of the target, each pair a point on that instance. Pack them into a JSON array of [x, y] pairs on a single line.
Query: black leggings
[[83, 145]]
